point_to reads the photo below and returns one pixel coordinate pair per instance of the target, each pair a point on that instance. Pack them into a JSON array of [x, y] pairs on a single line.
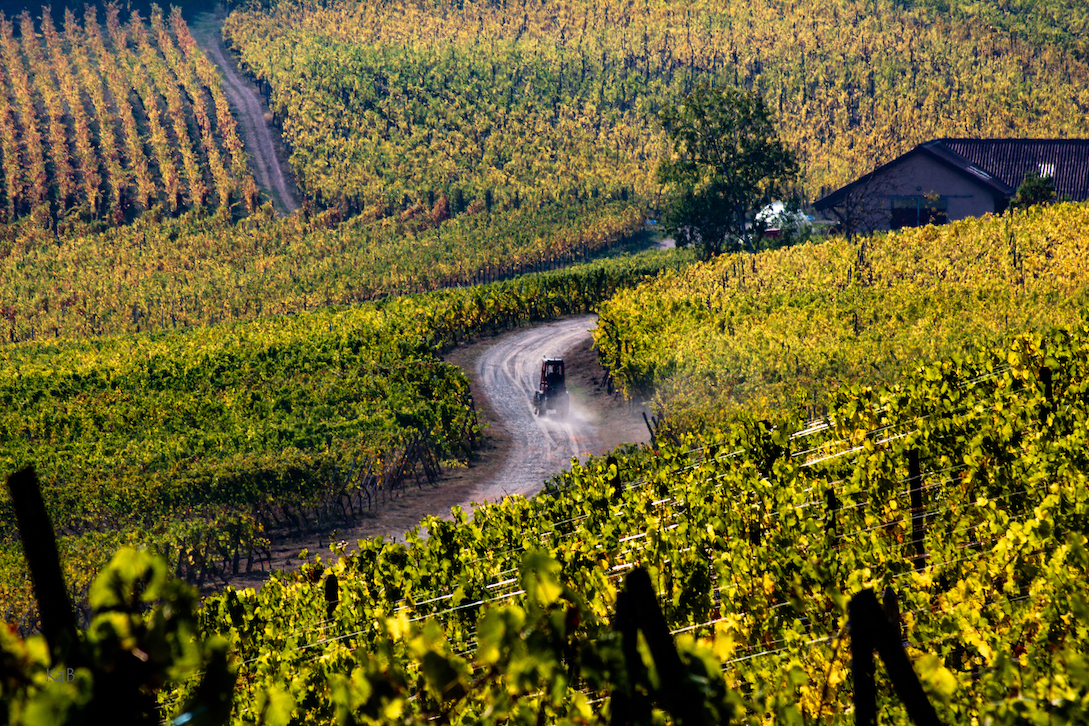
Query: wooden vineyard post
[[862, 664], [616, 482], [332, 595], [637, 610], [871, 630], [237, 548], [472, 407], [831, 502], [40, 548], [918, 527], [1049, 393]]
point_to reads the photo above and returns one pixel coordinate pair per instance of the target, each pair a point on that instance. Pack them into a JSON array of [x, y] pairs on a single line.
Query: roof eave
[[995, 185]]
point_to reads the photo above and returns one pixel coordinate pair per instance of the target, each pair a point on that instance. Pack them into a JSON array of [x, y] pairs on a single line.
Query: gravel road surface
[[543, 445]]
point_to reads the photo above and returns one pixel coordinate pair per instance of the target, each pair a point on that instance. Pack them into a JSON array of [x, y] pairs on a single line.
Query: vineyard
[[448, 146], [198, 442], [192, 376], [145, 112], [753, 332], [389, 107], [960, 490], [216, 423], [200, 270], [108, 123]]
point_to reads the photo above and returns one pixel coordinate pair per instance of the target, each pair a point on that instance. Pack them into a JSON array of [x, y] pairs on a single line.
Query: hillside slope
[[107, 123], [197, 442], [387, 103], [749, 331], [754, 540]]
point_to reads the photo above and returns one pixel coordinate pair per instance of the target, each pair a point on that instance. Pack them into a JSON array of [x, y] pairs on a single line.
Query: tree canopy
[[1033, 190], [727, 161]]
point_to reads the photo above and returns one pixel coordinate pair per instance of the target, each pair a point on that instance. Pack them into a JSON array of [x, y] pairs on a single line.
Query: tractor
[[551, 394]]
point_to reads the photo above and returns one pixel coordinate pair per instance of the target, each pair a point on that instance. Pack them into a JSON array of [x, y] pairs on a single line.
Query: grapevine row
[[750, 331], [61, 105], [28, 118], [132, 455], [86, 160], [199, 270], [112, 79], [386, 104]]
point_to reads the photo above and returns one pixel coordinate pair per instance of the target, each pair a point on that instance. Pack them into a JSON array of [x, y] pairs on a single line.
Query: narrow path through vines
[[519, 452], [261, 141]]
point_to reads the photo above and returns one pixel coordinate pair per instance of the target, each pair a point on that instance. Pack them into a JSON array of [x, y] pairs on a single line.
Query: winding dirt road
[[207, 30], [543, 445], [519, 452]]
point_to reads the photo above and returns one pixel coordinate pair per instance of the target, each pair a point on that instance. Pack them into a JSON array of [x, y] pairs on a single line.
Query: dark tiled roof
[[943, 153], [1066, 161], [1000, 164]]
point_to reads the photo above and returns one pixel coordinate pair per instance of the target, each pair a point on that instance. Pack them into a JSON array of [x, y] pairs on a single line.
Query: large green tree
[[727, 161]]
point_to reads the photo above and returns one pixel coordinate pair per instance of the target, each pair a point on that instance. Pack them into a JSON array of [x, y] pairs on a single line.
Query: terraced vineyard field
[[200, 270], [959, 492], [196, 442], [187, 370], [390, 106]]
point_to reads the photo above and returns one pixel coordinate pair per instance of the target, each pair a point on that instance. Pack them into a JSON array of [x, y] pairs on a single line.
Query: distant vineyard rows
[[200, 270], [390, 106], [108, 123]]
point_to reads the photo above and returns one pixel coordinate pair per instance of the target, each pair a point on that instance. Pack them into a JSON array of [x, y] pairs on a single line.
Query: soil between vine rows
[[517, 451]]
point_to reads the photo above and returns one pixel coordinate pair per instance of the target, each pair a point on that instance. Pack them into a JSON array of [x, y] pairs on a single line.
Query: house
[[949, 179]]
